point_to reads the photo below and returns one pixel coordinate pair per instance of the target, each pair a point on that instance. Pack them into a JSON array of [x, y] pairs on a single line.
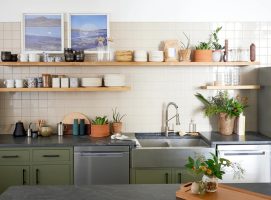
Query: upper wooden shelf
[[232, 87], [93, 64], [81, 89]]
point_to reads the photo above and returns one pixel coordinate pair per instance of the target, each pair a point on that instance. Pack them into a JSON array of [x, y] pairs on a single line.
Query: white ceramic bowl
[[91, 82], [111, 80]]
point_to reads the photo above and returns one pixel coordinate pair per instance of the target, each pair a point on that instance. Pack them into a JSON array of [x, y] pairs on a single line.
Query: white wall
[[146, 10]]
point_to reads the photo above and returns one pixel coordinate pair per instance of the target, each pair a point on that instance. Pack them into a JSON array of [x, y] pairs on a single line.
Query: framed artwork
[[88, 32], [43, 33]]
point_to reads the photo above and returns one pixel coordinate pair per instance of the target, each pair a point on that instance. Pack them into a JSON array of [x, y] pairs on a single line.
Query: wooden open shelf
[[81, 89], [232, 87], [90, 64]]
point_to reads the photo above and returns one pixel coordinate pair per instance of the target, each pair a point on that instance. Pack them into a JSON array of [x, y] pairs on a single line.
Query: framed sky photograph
[[86, 30], [43, 33]]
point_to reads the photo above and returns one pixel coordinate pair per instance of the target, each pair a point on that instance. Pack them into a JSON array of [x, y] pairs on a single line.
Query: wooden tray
[[224, 192]]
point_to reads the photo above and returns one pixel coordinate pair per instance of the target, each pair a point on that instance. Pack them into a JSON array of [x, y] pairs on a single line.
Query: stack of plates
[[91, 82], [156, 56], [114, 80], [140, 56]]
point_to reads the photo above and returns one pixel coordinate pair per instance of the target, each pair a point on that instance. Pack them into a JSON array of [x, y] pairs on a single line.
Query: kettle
[[19, 130]]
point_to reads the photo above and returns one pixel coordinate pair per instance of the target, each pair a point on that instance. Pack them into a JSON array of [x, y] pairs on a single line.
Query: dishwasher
[[255, 159], [101, 165]]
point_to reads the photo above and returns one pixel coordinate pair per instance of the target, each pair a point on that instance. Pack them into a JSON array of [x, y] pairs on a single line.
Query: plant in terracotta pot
[[117, 123], [100, 127], [185, 52], [203, 52], [218, 48], [226, 108], [212, 169]]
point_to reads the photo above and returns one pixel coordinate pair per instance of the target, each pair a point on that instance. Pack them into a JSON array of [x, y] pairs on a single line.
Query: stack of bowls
[[140, 56], [114, 80], [156, 56], [91, 82]]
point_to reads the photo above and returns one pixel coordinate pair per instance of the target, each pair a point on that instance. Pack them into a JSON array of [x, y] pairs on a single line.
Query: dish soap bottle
[[192, 126]]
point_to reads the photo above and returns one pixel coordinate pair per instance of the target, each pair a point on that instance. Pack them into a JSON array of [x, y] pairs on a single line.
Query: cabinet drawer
[[14, 156], [51, 155]]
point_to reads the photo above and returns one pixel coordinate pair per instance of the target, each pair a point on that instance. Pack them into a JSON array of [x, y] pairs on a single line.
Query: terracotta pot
[[185, 55], [99, 130], [117, 126], [203, 55], [226, 124]]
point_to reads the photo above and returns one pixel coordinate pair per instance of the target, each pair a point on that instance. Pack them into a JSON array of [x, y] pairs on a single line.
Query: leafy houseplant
[[203, 52], [117, 123], [217, 52], [100, 127], [213, 169], [185, 51], [225, 107]]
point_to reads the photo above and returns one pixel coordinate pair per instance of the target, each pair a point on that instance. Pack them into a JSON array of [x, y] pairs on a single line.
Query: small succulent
[[117, 117], [204, 46], [100, 121]]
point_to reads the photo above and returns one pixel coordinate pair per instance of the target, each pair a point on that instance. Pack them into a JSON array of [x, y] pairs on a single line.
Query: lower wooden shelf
[[81, 89], [232, 87]]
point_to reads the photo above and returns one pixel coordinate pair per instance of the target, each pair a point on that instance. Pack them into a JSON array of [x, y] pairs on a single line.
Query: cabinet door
[[51, 174], [13, 175], [152, 176], [182, 175]]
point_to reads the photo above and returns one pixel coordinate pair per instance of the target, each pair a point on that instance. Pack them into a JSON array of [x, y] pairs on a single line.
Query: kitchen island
[[109, 192]]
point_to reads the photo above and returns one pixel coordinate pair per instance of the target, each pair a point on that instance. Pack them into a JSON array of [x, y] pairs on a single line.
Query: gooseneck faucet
[[175, 116]]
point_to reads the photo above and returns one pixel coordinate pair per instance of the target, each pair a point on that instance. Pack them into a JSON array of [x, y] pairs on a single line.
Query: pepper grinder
[[29, 130]]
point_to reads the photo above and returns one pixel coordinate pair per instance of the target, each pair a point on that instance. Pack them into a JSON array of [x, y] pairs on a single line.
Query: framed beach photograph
[[88, 32], [43, 33]]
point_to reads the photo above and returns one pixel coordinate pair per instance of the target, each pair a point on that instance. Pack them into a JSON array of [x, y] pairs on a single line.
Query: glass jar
[[79, 56], [100, 50], [244, 55], [211, 183]]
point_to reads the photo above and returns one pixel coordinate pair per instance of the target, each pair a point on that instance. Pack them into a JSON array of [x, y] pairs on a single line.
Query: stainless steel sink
[[149, 143]]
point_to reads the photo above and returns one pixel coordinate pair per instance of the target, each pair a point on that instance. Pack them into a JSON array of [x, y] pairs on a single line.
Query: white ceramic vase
[[217, 56]]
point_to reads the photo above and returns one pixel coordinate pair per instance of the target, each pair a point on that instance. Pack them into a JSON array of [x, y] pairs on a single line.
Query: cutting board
[[224, 192], [68, 122]]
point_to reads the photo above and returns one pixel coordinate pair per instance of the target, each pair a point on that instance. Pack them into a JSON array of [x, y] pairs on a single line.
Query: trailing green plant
[[215, 40], [222, 103], [100, 121], [117, 117], [213, 166], [187, 45]]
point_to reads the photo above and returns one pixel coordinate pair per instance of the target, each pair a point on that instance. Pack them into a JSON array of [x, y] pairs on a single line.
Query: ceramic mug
[[23, 57], [33, 57], [31, 82], [19, 83], [9, 83]]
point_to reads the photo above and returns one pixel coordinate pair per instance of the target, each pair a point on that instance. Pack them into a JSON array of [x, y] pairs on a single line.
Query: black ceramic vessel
[[6, 56]]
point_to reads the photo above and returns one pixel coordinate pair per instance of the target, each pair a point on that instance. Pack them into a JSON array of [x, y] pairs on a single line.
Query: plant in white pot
[[185, 52], [226, 108], [218, 48], [117, 123]]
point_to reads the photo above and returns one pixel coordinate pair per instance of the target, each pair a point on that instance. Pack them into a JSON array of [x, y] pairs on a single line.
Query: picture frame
[[84, 30], [42, 32]]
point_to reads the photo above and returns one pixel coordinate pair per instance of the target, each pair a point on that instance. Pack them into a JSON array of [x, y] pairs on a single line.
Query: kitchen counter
[[58, 141], [214, 138], [108, 192]]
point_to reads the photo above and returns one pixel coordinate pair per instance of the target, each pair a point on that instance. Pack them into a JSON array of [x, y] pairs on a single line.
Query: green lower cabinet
[[152, 176], [51, 175], [13, 175]]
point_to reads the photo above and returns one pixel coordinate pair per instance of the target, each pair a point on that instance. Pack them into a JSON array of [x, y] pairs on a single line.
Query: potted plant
[[117, 123], [218, 49], [213, 169], [203, 52], [185, 51], [225, 107], [100, 127]]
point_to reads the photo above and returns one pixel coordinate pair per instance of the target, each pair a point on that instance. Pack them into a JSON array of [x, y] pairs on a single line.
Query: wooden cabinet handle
[[51, 156], [37, 176], [166, 178], [180, 177], [24, 182], [11, 156]]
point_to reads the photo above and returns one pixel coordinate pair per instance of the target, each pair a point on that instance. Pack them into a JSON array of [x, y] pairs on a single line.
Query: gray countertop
[[214, 138], [58, 141], [108, 192]]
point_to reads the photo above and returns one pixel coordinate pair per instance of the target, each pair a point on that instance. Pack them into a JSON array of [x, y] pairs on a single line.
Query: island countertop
[[109, 192]]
